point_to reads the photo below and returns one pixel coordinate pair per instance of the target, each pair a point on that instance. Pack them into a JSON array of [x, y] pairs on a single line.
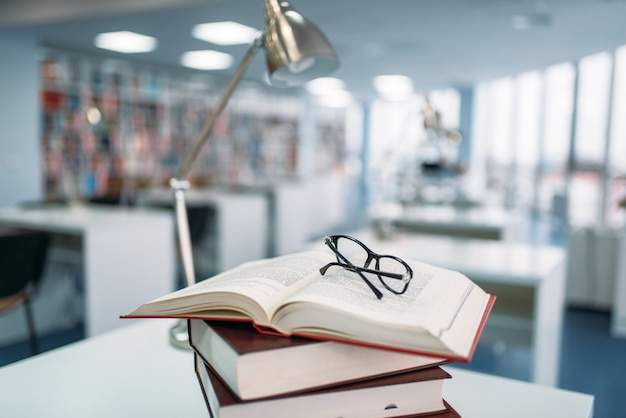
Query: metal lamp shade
[[296, 50]]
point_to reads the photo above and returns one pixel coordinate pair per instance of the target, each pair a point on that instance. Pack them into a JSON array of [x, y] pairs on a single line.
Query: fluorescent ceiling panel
[[125, 42], [207, 60], [224, 33], [340, 98], [324, 85], [393, 86]]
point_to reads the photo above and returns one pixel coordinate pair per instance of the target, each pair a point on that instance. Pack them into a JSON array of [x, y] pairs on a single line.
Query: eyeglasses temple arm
[[373, 288]]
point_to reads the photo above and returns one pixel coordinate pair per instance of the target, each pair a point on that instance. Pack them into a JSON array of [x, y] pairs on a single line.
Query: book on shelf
[[244, 358], [416, 393], [442, 313]]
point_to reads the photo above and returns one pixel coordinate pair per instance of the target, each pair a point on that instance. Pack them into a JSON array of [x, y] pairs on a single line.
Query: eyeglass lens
[[353, 251], [360, 256]]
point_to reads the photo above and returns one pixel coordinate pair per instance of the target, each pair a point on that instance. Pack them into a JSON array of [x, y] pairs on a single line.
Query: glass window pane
[[500, 141], [447, 102], [395, 131], [593, 106], [559, 100], [477, 169], [529, 108], [615, 216], [617, 156], [583, 198], [527, 124]]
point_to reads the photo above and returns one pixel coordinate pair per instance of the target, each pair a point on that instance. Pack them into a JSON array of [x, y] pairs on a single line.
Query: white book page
[[431, 299], [267, 282]]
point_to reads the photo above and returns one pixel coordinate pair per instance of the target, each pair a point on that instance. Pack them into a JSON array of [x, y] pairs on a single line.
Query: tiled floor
[[594, 362]]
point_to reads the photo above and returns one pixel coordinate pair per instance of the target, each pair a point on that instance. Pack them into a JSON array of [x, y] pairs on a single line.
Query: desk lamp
[[296, 52]]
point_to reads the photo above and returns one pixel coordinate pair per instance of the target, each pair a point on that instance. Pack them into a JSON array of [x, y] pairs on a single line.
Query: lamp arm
[[179, 185], [182, 227], [203, 135]]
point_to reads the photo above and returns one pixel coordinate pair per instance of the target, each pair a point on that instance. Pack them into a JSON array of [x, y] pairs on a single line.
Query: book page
[[431, 300], [271, 282], [255, 288]]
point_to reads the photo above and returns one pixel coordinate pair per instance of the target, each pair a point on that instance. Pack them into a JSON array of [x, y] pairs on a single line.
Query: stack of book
[[244, 373], [276, 338]]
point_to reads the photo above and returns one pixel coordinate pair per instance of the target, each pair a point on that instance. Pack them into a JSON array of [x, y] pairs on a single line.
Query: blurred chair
[[23, 256], [201, 220]]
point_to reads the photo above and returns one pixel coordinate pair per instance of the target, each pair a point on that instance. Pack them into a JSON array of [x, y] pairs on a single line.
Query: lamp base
[[179, 335]]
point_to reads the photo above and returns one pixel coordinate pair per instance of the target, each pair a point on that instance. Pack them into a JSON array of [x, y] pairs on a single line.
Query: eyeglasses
[[392, 272]]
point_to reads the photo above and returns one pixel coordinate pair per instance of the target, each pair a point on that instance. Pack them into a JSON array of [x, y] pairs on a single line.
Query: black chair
[[23, 256], [201, 220]]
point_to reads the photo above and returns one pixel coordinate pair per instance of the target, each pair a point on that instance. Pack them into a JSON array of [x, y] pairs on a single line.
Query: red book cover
[[411, 394], [243, 357]]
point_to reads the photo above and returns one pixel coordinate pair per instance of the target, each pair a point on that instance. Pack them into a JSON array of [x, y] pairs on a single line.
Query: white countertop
[[491, 260], [76, 217], [134, 372]]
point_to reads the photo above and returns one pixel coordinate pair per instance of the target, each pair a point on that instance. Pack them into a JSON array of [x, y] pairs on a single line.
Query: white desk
[[134, 372], [481, 222], [242, 221], [596, 273], [127, 255], [528, 280]]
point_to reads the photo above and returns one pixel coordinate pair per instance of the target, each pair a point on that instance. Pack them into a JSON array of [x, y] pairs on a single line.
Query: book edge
[[448, 411], [315, 388]]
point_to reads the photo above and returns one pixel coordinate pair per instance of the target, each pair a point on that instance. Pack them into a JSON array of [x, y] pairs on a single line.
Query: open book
[[441, 314]]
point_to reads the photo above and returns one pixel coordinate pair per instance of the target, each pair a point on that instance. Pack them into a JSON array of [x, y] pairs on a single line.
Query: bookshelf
[[110, 127]]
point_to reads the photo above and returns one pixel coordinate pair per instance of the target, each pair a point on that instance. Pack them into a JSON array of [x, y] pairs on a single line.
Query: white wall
[[20, 157]]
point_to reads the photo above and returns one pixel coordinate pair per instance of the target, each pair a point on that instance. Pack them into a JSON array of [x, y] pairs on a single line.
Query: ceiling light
[[393, 86], [224, 33], [125, 42], [207, 60], [339, 98], [324, 85], [528, 21]]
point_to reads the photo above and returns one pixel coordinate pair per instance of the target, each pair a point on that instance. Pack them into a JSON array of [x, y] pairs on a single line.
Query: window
[[559, 100], [528, 110], [593, 108], [617, 146], [585, 191], [496, 114]]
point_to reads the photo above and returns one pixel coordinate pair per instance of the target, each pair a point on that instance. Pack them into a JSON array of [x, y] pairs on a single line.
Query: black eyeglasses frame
[[342, 261]]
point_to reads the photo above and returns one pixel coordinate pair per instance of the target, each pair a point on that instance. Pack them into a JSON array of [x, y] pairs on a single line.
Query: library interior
[[486, 138]]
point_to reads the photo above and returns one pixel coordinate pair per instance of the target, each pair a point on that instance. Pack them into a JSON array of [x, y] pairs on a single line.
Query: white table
[[476, 222], [134, 372], [596, 273], [127, 254], [241, 221], [529, 281]]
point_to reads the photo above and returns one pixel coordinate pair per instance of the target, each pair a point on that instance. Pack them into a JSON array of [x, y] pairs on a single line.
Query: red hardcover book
[[416, 393], [244, 358]]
